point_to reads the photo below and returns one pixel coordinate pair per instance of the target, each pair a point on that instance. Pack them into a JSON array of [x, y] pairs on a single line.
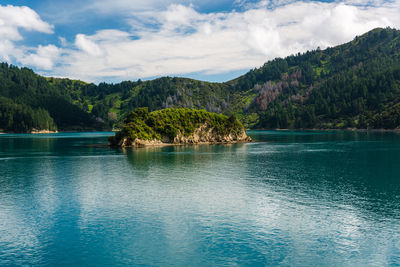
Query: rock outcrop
[[202, 135], [36, 131]]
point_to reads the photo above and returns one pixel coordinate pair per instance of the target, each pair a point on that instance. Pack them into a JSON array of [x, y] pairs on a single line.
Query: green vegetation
[[112, 102], [28, 102], [354, 85], [22, 118], [166, 124]]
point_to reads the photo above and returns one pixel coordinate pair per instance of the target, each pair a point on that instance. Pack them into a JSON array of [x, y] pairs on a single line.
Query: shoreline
[[43, 132], [326, 130], [55, 132], [180, 144], [257, 129]]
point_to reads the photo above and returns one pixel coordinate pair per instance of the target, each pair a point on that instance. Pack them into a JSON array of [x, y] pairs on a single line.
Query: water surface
[[290, 198]]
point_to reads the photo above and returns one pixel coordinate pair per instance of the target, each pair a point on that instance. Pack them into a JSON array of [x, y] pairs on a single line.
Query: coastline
[[43, 132], [397, 130], [161, 144], [256, 129], [52, 132]]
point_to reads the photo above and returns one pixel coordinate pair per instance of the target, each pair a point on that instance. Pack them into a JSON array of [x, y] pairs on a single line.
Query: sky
[[212, 40]]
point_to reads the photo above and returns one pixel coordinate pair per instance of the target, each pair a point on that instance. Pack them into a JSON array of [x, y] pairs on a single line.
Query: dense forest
[[28, 102], [354, 85]]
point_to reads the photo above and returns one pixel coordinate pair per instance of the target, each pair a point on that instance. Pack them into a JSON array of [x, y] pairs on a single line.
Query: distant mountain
[[112, 102], [354, 85]]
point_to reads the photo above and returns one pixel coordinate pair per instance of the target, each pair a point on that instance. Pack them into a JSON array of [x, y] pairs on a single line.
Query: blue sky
[[101, 40]]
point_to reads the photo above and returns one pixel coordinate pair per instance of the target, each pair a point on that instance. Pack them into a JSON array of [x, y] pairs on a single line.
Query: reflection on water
[[290, 198]]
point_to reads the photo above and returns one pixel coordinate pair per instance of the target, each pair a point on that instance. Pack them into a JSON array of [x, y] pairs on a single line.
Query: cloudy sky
[[214, 40]]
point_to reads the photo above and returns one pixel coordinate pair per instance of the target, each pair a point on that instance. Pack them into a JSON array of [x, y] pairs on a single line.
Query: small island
[[178, 126]]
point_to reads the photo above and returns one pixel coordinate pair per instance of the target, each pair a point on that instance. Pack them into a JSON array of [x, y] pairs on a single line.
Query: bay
[[304, 198]]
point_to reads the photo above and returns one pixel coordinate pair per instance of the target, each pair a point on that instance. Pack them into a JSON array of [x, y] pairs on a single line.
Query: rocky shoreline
[[201, 136], [397, 130], [34, 131]]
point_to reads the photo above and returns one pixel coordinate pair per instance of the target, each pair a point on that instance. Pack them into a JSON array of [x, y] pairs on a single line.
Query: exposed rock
[[35, 131], [127, 142], [202, 135]]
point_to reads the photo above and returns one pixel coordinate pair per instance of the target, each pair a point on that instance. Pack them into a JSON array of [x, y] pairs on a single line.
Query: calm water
[[290, 198]]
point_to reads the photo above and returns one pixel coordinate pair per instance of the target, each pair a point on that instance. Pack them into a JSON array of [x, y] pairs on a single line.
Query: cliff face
[[201, 135], [204, 134]]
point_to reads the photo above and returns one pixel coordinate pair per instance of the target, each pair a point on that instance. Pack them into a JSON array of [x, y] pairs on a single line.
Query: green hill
[[351, 85], [28, 102], [178, 126], [114, 101], [354, 85]]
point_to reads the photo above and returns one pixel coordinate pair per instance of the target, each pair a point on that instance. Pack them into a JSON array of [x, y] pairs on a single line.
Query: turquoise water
[[290, 198]]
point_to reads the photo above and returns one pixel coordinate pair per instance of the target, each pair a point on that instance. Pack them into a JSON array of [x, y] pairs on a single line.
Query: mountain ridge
[[353, 85]]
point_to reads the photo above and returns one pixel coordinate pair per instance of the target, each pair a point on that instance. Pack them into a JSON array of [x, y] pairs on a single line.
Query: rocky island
[[178, 126]]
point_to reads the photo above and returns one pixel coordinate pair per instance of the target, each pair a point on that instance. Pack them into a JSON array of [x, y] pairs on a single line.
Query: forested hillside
[[28, 102], [354, 85], [112, 102]]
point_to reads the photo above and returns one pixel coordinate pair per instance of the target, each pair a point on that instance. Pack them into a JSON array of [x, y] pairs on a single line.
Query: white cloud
[[124, 6], [12, 19], [63, 11], [86, 45], [43, 58], [187, 41], [180, 40]]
